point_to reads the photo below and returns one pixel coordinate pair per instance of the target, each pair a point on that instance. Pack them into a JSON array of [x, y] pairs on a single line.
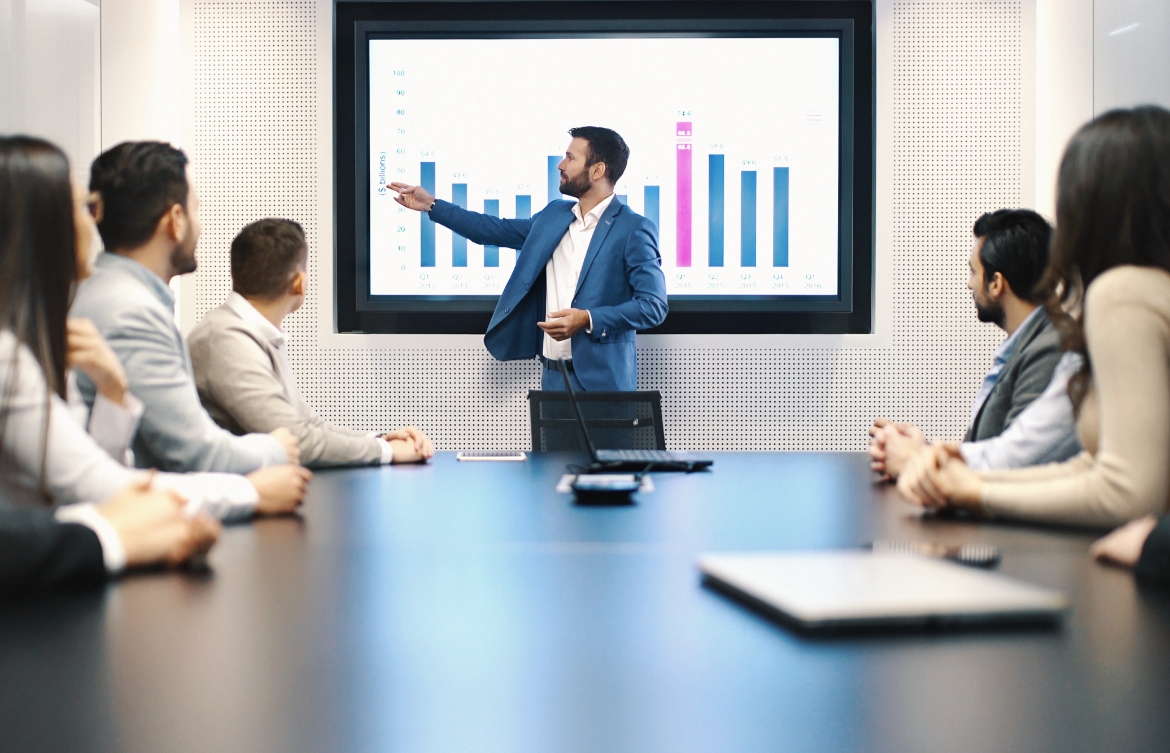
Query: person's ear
[[174, 223], [597, 171], [298, 284], [997, 285]]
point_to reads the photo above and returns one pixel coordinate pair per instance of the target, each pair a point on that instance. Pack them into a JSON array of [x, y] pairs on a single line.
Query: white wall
[[49, 74], [1131, 53]]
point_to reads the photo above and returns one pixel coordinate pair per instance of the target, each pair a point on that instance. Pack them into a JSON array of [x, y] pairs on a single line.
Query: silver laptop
[[858, 589]]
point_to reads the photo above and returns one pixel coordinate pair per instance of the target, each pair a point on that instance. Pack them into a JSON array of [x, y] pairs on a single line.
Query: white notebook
[[855, 588]]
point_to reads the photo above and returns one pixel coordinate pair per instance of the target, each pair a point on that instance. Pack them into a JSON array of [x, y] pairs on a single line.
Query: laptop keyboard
[[637, 456]]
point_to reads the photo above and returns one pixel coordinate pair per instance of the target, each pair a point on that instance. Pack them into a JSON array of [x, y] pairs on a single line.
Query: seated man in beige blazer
[[241, 368]]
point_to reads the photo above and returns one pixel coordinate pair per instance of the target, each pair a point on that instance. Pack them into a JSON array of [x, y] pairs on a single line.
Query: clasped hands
[[933, 476], [410, 445]]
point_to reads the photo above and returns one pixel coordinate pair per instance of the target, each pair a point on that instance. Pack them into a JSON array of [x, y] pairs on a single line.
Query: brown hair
[[265, 257], [1112, 208]]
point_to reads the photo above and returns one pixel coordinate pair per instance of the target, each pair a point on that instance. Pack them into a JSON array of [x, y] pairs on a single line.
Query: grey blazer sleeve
[[1038, 362], [176, 433], [237, 374], [39, 554]]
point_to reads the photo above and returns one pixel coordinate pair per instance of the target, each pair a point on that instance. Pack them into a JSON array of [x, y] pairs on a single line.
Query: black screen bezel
[[848, 312]]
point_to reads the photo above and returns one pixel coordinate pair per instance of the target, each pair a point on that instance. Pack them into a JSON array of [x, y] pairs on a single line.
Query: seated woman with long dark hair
[[1112, 243]]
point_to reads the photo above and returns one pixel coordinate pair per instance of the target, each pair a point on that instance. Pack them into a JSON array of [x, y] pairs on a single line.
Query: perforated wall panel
[[957, 86]]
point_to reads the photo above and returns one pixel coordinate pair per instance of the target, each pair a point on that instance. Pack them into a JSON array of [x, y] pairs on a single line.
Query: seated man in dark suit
[[1007, 261], [79, 546]]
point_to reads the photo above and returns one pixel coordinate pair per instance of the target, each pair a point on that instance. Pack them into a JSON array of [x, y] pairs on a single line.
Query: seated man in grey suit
[[242, 370], [148, 219], [1022, 414]]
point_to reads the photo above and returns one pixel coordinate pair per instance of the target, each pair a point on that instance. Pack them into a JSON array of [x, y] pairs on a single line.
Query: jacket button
[[506, 310]]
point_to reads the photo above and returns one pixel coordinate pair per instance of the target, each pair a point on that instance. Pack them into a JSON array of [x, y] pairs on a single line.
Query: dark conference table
[[470, 607]]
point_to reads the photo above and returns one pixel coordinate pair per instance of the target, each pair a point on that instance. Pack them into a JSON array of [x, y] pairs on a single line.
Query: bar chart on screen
[[740, 185]]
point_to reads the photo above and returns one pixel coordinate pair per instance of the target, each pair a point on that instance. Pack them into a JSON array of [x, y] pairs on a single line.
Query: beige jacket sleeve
[[1127, 329], [237, 376]]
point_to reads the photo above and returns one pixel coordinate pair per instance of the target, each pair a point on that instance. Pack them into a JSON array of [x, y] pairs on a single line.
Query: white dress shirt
[[564, 270], [1002, 355], [71, 465], [249, 313], [1044, 432]]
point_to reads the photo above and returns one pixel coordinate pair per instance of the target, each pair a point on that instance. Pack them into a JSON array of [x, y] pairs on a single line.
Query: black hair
[[265, 256], [38, 264], [606, 147], [1015, 244], [139, 182], [1112, 208]]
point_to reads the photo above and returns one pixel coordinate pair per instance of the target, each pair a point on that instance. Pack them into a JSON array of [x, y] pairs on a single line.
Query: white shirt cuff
[[113, 550], [387, 451], [589, 329], [224, 496], [113, 426], [973, 456]]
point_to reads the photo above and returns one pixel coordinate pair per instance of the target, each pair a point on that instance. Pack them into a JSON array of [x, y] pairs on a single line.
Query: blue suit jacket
[[621, 285]]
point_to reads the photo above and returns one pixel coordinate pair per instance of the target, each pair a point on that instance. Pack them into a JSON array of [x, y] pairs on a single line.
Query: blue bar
[[523, 207], [715, 210], [650, 199], [458, 242], [780, 217], [491, 254], [623, 198], [427, 232], [747, 218], [554, 179]]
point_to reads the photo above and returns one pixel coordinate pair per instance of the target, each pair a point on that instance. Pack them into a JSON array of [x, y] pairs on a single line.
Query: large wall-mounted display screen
[[750, 135], [739, 172]]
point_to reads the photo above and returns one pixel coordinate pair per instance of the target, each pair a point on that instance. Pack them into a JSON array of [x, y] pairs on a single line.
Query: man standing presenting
[[588, 273]]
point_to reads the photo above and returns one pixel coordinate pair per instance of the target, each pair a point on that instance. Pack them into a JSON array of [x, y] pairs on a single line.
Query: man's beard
[[183, 260], [575, 187], [990, 312]]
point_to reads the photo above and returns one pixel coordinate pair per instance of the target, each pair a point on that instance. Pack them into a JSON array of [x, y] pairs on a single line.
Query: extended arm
[[647, 307], [175, 428], [239, 376], [1128, 341], [481, 228]]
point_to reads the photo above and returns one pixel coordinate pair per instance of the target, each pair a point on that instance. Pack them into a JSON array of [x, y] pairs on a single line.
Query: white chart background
[[489, 113]]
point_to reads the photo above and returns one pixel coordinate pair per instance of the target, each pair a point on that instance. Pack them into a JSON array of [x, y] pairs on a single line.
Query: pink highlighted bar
[[683, 198]]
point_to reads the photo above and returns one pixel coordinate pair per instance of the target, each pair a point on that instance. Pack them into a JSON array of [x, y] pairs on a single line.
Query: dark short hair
[[1015, 244], [606, 147], [265, 256], [139, 182]]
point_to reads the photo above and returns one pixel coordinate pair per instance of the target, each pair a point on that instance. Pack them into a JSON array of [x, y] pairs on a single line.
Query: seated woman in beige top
[[1113, 238]]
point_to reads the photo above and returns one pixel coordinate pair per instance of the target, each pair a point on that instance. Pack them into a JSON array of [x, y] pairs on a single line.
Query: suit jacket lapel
[[604, 223]]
